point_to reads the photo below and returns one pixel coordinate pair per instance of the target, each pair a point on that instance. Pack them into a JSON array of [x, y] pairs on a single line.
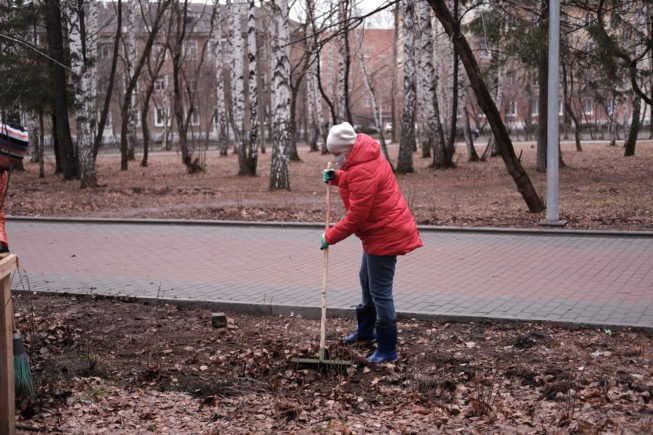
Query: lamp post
[[553, 120]]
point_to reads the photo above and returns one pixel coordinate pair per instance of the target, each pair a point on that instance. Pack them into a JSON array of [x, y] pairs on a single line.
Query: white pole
[[553, 118]]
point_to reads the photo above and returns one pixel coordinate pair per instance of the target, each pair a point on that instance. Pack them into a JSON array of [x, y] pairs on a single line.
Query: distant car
[[388, 128]]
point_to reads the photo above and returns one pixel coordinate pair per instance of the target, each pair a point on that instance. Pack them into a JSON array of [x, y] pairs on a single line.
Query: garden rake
[[322, 361]]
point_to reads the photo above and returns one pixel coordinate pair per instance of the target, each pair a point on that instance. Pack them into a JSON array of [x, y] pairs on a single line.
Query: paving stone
[[573, 278]]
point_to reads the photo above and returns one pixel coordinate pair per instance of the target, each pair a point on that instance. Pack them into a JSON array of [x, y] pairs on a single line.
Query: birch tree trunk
[[132, 29], [443, 64], [262, 86], [82, 35], [453, 130], [407, 144], [221, 97], [421, 137], [434, 132], [229, 60], [312, 102], [248, 152], [237, 79], [313, 132], [279, 177], [341, 88], [395, 79], [543, 83], [34, 134]]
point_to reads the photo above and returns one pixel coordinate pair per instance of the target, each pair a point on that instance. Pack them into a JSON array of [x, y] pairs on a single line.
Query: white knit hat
[[341, 138]]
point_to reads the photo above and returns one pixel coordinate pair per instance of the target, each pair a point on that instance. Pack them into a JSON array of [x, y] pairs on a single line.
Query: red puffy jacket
[[376, 210]]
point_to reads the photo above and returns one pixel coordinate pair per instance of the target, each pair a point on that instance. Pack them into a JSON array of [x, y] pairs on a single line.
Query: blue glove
[[323, 243], [328, 175]]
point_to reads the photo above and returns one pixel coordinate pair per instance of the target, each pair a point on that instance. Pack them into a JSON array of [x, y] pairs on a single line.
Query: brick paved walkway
[[600, 280]]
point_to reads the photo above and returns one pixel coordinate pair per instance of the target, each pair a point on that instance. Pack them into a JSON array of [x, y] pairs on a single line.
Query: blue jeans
[[376, 276]]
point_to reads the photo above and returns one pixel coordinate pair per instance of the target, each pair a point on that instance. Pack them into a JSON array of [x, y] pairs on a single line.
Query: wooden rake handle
[[325, 268]]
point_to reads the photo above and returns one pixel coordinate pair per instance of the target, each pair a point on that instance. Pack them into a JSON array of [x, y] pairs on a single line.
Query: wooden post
[[7, 394]]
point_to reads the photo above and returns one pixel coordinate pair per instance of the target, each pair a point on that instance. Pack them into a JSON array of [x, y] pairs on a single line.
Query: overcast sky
[[382, 19]]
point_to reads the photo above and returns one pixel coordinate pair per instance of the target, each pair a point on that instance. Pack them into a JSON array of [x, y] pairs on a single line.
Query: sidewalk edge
[[306, 225], [314, 313]]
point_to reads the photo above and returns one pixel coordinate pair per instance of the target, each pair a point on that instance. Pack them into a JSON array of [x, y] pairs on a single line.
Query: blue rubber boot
[[365, 332], [386, 348]]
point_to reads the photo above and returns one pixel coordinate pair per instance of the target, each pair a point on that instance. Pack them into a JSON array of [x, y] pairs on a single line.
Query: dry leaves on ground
[[599, 189], [116, 366]]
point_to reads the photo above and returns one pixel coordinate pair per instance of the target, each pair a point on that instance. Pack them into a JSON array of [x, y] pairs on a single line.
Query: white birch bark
[[331, 65], [133, 9], [237, 80], [424, 75], [444, 71], [32, 127], [491, 149], [92, 31], [84, 73], [313, 99], [248, 152], [429, 82], [229, 60], [320, 112], [218, 55], [279, 177], [311, 137], [407, 142], [340, 88]]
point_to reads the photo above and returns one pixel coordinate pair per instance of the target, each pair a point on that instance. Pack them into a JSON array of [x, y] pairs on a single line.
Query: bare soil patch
[[599, 189], [116, 366]]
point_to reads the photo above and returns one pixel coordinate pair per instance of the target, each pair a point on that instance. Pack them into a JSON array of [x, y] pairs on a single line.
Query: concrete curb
[[311, 225], [314, 313]]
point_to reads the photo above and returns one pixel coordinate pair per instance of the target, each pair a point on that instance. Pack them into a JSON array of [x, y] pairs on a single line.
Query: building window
[[104, 50], [190, 49], [160, 84], [587, 106], [512, 108], [535, 107], [195, 118], [483, 53], [161, 115]]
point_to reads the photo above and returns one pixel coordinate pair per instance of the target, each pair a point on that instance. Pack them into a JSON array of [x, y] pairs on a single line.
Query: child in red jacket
[[378, 214], [13, 147]]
